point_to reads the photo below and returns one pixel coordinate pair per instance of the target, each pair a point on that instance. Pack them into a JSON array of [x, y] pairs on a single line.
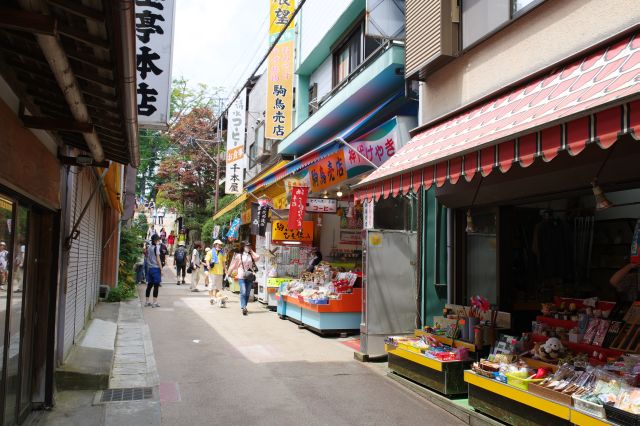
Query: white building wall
[[550, 33], [255, 114], [317, 18], [323, 75]]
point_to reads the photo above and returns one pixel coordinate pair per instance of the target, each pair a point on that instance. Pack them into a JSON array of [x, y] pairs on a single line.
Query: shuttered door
[[83, 273]]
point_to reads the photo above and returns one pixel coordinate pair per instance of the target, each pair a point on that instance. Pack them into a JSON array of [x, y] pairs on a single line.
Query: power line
[[264, 58]]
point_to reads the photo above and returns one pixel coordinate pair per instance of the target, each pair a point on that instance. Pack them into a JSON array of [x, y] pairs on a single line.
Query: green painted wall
[[433, 260], [302, 100]]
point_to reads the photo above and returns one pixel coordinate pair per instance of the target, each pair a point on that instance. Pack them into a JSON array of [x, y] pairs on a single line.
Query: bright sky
[[219, 42]]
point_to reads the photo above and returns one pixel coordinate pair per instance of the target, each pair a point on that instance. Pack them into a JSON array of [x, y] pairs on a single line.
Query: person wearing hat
[[216, 260], [196, 265], [243, 267], [205, 265], [154, 274]]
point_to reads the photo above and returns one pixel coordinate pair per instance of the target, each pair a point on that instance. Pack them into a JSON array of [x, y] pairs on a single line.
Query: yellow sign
[[328, 172], [280, 202], [280, 232], [245, 217], [375, 239], [279, 111]]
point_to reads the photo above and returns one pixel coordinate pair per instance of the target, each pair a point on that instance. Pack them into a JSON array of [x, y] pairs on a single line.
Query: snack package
[[591, 331], [601, 332]]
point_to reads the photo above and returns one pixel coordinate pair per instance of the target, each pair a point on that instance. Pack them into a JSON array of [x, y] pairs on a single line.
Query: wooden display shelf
[[446, 377], [526, 409], [567, 324], [581, 347]]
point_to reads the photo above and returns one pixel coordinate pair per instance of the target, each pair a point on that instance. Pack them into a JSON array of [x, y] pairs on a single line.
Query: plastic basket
[[587, 407], [621, 417], [520, 383]]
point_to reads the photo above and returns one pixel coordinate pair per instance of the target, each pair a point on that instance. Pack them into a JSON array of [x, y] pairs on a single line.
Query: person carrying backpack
[[180, 260], [196, 266]]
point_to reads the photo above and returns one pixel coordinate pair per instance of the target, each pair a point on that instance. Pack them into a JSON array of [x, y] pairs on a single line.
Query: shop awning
[[329, 147], [592, 100], [235, 203]]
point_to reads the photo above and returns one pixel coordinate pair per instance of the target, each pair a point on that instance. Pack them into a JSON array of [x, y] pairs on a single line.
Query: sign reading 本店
[[297, 207], [234, 178], [279, 110], [322, 205], [280, 232], [328, 172], [154, 32]]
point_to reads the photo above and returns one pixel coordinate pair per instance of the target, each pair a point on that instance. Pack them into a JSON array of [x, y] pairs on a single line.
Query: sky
[[219, 42]]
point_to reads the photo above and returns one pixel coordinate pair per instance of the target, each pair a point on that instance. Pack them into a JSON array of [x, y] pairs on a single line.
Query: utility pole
[[219, 139]]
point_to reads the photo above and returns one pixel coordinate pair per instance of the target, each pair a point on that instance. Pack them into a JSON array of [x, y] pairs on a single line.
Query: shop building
[[525, 166], [61, 181], [351, 114]]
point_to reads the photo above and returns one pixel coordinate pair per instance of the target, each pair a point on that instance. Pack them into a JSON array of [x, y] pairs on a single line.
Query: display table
[[519, 407], [341, 315], [446, 377], [273, 284]]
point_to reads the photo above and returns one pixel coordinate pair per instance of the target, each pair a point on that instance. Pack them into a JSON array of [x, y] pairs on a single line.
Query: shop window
[[253, 154], [396, 213], [351, 52], [482, 277], [480, 18]]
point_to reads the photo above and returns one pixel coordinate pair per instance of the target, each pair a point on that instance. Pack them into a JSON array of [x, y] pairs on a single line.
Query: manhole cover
[[126, 394]]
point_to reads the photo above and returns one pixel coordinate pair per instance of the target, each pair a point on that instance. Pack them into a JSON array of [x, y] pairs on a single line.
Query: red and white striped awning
[[538, 120]]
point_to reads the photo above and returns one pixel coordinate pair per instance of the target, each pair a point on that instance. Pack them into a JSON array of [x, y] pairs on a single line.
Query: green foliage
[[207, 231], [163, 201], [131, 240]]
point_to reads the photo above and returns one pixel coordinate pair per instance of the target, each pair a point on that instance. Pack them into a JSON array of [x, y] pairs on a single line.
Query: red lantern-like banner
[[298, 206]]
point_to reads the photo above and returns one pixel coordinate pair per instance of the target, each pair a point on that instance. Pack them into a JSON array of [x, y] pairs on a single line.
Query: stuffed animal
[[551, 350]]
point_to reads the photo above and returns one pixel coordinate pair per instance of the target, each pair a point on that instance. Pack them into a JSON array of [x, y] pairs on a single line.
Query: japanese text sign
[[234, 180], [376, 146], [263, 217], [297, 207], [154, 32], [328, 172], [279, 109], [280, 232], [322, 205]]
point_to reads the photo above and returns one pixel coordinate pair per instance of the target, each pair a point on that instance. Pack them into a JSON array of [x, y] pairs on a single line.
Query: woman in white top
[[243, 267], [196, 265]]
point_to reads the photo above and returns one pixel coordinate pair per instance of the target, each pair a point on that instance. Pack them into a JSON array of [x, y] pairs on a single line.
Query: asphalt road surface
[[219, 367]]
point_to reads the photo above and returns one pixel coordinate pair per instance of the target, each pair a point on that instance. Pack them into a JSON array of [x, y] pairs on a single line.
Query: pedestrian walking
[[163, 235], [154, 276], [4, 265], [161, 212], [217, 261], [180, 261], [205, 265], [151, 232], [243, 266], [196, 265], [182, 237], [163, 252], [171, 240]]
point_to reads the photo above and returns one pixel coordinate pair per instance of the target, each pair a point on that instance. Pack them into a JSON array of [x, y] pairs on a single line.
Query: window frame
[[344, 42], [512, 18]]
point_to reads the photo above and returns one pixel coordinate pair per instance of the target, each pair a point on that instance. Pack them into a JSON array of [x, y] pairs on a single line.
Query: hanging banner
[[254, 218], [328, 172], [216, 232], [233, 229], [279, 110], [297, 207], [377, 146], [154, 45], [280, 232], [234, 178], [263, 217]]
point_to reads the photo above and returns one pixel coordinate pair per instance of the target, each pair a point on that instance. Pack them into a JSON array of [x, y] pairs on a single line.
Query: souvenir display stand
[[273, 284]]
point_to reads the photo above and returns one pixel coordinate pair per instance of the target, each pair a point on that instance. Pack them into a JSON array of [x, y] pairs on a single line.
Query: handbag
[[250, 275]]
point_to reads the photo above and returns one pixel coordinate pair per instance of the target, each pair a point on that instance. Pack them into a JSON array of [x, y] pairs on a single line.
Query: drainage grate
[[126, 394]]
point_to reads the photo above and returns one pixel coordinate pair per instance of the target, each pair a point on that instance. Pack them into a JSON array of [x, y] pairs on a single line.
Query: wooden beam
[[93, 77], [30, 22], [78, 9], [23, 54], [46, 123], [84, 37], [98, 93], [87, 58]]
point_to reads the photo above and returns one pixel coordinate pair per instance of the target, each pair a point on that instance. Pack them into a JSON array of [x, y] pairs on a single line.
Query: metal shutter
[[83, 272]]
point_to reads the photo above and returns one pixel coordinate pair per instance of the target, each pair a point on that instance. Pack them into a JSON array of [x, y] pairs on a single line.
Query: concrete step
[[88, 365]]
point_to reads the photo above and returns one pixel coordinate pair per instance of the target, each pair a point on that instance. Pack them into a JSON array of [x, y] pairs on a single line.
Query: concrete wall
[[324, 77], [317, 18], [551, 32]]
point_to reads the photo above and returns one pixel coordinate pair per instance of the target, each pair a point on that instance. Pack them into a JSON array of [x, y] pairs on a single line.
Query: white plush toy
[[551, 350]]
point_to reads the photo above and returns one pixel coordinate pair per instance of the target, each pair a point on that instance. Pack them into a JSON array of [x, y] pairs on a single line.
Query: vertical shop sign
[[298, 207], [279, 110], [263, 215], [254, 218], [234, 180], [154, 44], [216, 231]]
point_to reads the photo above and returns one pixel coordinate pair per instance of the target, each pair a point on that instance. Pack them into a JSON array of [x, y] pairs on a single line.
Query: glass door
[[6, 266]]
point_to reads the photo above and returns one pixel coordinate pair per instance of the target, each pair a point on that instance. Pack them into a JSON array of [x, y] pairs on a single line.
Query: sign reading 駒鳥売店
[[279, 110], [234, 179], [328, 172], [322, 205], [154, 44]]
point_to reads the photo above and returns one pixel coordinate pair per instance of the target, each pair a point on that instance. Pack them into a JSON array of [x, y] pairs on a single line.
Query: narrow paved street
[[218, 367]]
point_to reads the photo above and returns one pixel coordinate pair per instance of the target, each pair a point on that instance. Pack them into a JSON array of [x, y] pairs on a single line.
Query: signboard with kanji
[[322, 205], [234, 178], [280, 232], [328, 172], [154, 32], [376, 146], [279, 110]]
